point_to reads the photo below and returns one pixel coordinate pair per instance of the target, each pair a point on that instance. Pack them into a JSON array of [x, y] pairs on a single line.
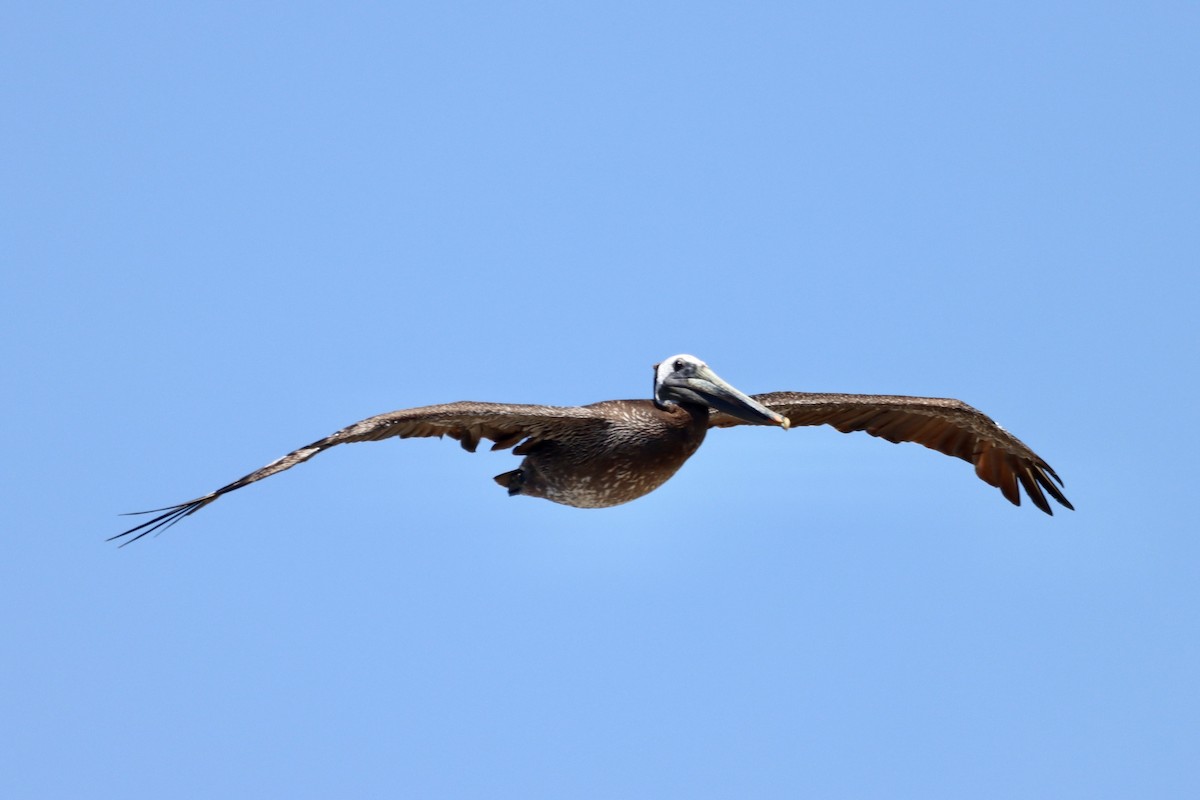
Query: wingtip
[[163, 521]]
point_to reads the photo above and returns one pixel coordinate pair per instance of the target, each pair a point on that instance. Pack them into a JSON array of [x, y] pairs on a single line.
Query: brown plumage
[[615, 451], [948, 426]]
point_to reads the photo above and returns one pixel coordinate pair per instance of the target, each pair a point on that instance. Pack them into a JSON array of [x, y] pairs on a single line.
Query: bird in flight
[[611, 452]]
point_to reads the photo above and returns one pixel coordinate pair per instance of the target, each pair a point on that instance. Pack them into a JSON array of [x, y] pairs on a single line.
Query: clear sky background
[[228, 230]]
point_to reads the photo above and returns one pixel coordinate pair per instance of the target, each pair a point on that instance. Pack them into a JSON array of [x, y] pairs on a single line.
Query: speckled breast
[[641, 448]]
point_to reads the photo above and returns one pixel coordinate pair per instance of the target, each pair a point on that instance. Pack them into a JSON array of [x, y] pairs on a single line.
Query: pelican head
[[687, 379]]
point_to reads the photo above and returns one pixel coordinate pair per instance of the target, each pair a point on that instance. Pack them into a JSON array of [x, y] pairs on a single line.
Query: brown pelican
[[609, 453]]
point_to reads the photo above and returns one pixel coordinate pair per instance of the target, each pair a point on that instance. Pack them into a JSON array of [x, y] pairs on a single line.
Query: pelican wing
[[506, 425], [948, 426]]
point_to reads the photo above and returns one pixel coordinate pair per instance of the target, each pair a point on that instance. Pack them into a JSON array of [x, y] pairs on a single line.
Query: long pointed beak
[[720, 395]]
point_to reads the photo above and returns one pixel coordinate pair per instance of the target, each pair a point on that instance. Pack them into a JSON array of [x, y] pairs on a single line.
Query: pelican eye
[[679, 364]]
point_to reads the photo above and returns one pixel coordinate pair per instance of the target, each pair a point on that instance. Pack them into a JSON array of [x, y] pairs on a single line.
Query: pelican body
[[615, 451], [641, 449]]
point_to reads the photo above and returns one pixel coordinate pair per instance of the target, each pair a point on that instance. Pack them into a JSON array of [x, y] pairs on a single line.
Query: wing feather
[[948, 426], [468, 422]]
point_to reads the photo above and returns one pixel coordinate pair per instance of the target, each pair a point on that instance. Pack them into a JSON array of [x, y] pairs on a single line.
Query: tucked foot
[[514, 481]]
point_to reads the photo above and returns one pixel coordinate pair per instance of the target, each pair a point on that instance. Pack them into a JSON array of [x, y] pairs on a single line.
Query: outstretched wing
[[948, 426], [506, 425]]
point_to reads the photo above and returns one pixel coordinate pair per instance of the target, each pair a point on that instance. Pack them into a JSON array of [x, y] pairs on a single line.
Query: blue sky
[[229, 230]]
